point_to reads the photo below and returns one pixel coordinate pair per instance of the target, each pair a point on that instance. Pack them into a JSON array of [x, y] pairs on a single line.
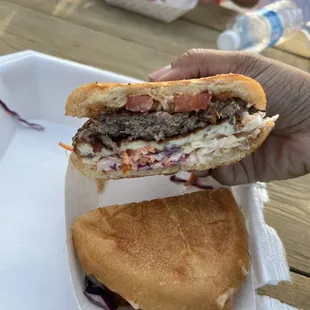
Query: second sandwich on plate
[[184, 252]]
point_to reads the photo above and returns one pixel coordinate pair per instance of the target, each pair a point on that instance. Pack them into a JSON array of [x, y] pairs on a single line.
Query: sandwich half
[[142, 129], [185, 252]]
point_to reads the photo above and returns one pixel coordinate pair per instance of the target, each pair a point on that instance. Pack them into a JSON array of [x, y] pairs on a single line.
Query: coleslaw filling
[[200, 146]]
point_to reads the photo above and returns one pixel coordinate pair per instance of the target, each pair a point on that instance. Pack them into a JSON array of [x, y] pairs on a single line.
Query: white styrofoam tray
[[166, 11], [33, 247]]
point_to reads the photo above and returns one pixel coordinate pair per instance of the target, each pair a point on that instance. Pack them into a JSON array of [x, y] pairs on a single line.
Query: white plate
[[33, 259], [33, 251], [82, 196]]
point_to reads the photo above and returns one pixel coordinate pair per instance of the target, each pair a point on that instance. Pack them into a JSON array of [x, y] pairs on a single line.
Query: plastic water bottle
[[266, 27]]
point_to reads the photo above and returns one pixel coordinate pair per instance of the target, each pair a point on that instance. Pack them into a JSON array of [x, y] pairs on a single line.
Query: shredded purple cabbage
[[195, 183], [144, 167], [114, 167], [101, 296], [176, 179], [159, 156], [17, 117], [172, 149]]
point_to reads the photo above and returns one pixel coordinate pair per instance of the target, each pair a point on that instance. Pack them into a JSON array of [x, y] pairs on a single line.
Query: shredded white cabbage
[[200, 146], [223, 137]]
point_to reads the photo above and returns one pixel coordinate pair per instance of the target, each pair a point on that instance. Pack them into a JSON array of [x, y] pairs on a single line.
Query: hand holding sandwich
[[286, 152]]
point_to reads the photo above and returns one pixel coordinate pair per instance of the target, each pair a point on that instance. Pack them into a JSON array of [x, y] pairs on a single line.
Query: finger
[[225, 175], [158, 73], [180, 73], [242, 172], [197, 63]]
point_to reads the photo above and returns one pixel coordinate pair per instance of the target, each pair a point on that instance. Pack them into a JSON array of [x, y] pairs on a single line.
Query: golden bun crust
[[94, 98], [233, 156], [184, 252]]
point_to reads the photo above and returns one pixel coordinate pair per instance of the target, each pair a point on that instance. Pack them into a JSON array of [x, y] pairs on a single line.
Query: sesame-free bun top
[[185, 252], [94, 99]]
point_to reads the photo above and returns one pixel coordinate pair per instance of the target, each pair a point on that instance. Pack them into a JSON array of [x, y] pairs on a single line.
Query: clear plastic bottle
[[269, 26]]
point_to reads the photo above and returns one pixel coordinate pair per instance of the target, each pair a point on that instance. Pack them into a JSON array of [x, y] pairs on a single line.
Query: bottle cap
[[229, 40]]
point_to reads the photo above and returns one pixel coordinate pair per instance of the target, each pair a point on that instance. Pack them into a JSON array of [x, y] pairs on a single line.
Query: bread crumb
[[222, 299]]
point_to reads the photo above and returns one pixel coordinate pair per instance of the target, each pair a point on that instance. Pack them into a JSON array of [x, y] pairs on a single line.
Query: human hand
[[286, 152]]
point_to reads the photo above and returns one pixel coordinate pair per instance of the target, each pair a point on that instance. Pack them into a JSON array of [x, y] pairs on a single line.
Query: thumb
[[225, 175], [242, 172], [197, 63]]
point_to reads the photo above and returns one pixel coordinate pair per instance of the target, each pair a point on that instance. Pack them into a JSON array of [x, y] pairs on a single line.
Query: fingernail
[[160, 72]]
